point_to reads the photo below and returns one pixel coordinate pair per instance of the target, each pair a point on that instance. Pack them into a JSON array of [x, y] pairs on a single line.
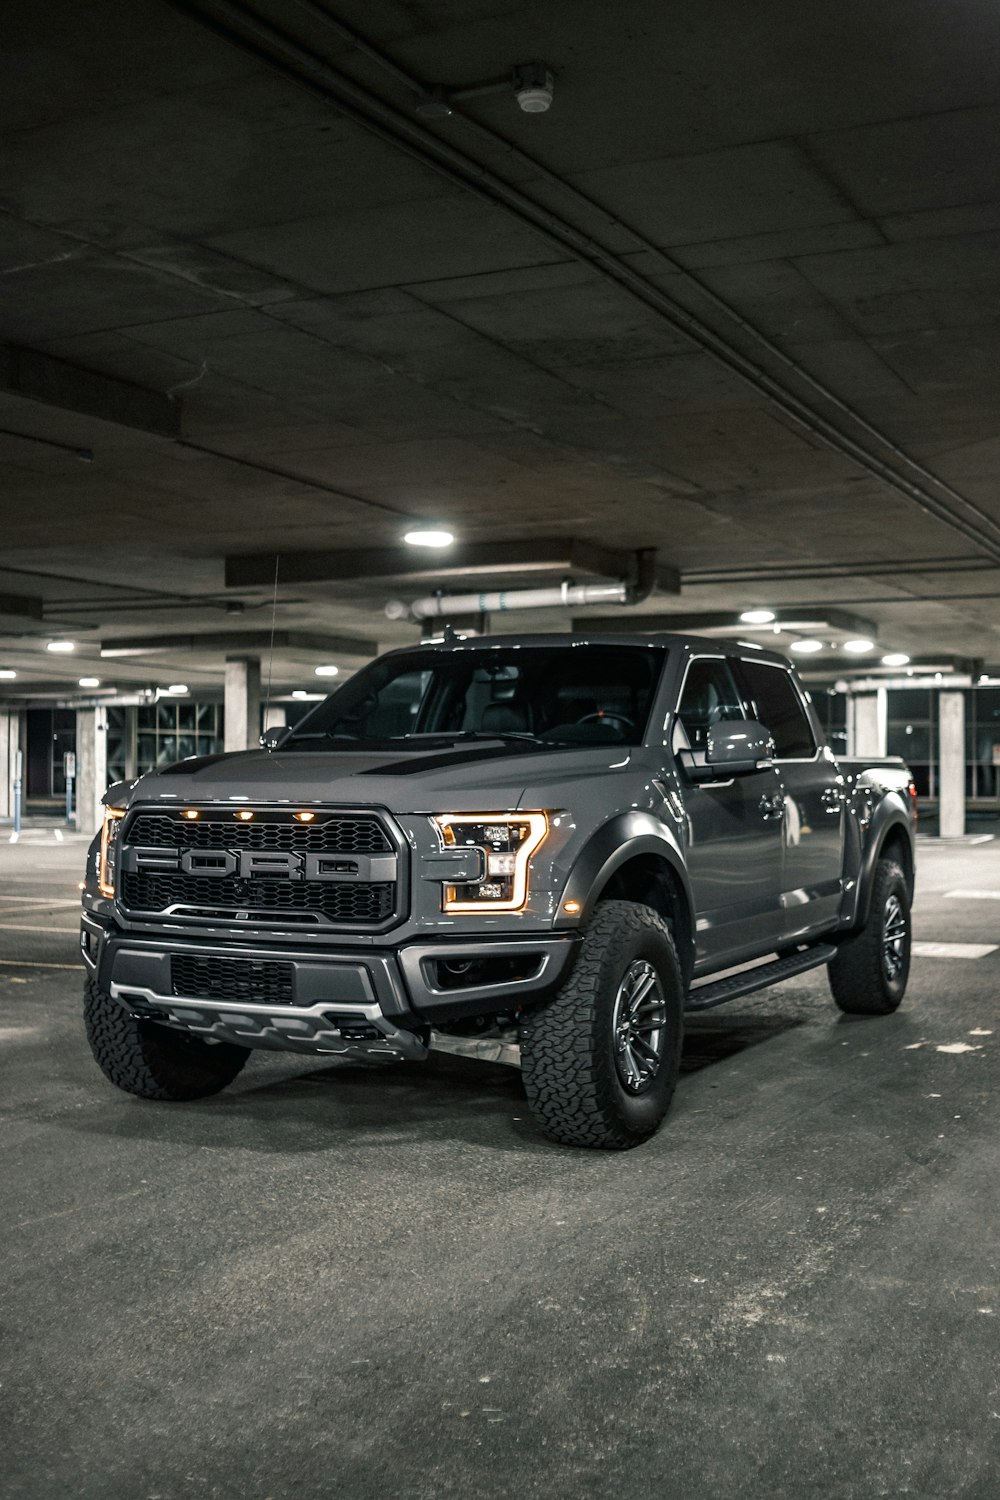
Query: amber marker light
[[305, 817], [106, 869], [572, 907], [244, 815], [191, 812]]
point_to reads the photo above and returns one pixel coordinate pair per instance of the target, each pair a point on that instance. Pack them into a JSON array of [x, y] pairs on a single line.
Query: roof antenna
[[270, 649]]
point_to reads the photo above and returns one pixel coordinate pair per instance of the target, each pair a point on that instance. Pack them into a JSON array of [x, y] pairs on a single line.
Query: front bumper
[[371, 1004]]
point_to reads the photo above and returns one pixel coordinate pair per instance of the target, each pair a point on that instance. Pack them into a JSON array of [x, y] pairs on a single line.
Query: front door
[[734, 831]]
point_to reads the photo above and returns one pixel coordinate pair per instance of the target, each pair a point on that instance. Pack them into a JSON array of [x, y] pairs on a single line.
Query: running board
[[707, 995]]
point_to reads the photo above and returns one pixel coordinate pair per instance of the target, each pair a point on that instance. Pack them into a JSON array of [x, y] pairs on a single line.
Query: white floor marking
[[978, 1031], [43, 900], [15, 1033], [972, 895], [958, 1047], [952, 950], [57, 834], [28, 963], [23, 927]]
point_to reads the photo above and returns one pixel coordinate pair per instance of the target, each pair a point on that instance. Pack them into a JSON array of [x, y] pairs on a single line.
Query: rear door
[[814, 802], [733, 829]]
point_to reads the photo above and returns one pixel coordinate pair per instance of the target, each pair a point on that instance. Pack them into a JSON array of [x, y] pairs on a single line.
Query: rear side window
[[779, 709], [709, 695]]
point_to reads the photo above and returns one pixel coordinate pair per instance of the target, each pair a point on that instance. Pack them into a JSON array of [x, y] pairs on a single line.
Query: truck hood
[[454, 779]]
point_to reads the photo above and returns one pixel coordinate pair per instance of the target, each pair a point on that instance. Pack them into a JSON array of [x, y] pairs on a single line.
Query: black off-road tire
[[154, 1061], [571, 1076], [868, 976]]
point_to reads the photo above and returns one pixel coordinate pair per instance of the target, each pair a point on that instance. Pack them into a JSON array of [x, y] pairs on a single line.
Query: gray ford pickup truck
[[569, 841]]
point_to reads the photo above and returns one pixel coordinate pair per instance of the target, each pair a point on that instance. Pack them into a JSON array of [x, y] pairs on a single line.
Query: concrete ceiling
[[735, 297]]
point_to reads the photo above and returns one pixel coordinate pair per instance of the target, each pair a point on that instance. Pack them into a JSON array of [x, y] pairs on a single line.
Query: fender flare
[[887, 816], [611, 847]]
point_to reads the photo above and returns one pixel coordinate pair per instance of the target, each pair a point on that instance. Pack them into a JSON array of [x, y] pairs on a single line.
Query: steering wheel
[[626, 725]]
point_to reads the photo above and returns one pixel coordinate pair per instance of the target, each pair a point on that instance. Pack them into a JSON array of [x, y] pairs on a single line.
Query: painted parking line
[[15, 1033], [29, 963], [972, 895], [952, 950], [43, 900], [24, 927]]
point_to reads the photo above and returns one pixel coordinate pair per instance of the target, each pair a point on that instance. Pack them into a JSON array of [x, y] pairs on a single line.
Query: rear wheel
[[154, 1061], [600, 1060], [868, 976]]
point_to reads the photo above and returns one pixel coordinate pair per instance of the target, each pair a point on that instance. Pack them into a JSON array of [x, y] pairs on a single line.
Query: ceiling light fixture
[[178, 689], [327, 671], [429, 536], [807, 646], [7, 674], [858, 647], [62, 648], [757, 617], [896, 659], [90, 682]]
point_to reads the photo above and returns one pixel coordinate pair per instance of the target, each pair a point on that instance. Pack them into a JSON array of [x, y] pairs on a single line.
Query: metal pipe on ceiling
[[414, 139], [498, 601]]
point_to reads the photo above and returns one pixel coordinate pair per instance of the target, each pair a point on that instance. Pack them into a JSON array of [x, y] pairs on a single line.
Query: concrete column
[[951, 765], [91, 767], [10, 738], [867, 723], [242, 703], [275, 716]]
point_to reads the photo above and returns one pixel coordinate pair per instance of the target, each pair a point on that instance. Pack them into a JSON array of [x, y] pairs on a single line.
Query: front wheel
[[868, 976], [154, 1061], [600, 1060]]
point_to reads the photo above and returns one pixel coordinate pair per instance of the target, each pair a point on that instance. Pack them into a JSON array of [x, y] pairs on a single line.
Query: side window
[[709, 695], [780, 710]]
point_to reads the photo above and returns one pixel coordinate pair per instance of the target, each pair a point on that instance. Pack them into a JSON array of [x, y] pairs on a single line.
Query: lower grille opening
[[251, 980]]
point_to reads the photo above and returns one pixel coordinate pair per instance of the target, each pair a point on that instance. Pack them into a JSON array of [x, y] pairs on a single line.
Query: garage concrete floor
[[334, 1282]]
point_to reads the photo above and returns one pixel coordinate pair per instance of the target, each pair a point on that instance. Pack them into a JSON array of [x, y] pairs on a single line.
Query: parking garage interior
[[670, 318]]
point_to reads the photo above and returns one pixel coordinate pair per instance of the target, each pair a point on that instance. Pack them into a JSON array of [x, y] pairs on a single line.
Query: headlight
[[109, 850], [507, 842]]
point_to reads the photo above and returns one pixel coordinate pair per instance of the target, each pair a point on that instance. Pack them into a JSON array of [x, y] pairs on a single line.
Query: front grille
[[251, 980], [158, 844], [355, 833], [350, 902]]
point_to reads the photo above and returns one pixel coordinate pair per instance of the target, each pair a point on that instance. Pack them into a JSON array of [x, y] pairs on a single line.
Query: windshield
[[538, 695]]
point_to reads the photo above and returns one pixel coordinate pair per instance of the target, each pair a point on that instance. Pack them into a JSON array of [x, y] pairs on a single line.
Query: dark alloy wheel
[[868, 976], [156, 1062], [600, 1060]]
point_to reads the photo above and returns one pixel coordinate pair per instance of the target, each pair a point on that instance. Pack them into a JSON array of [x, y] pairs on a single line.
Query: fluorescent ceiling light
[[757, 617], [807, 646], [896, 659], [328, 671], [62, 647], [429, 536], [7, 674], [858, 647], [301, 693], [178, 689], [90, 682]]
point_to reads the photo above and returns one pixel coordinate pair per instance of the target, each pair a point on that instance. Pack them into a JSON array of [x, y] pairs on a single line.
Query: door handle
[[772, 807]]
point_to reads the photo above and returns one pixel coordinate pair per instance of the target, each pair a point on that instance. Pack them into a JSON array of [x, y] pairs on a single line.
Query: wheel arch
[[889, 836], [633, 858]]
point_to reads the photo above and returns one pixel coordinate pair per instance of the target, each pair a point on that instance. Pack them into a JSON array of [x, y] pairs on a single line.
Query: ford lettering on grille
[[250, 864]]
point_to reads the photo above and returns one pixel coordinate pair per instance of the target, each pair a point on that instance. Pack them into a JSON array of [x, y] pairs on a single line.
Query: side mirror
[[735, 748], [272, 739]]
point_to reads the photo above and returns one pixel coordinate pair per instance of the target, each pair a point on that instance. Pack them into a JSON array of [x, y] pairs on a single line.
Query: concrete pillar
[[951, 765], [91, 767], [275, 716], [242, 703], [867, 723], [10, 738]]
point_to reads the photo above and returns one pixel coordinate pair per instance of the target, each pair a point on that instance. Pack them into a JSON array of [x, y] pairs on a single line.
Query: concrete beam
[[727, 622], [239, 641], [20, 607], [465, 559], [54, 382]]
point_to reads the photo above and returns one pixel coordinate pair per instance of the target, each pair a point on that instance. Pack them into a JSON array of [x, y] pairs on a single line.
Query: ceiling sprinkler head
[[533, 87]]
